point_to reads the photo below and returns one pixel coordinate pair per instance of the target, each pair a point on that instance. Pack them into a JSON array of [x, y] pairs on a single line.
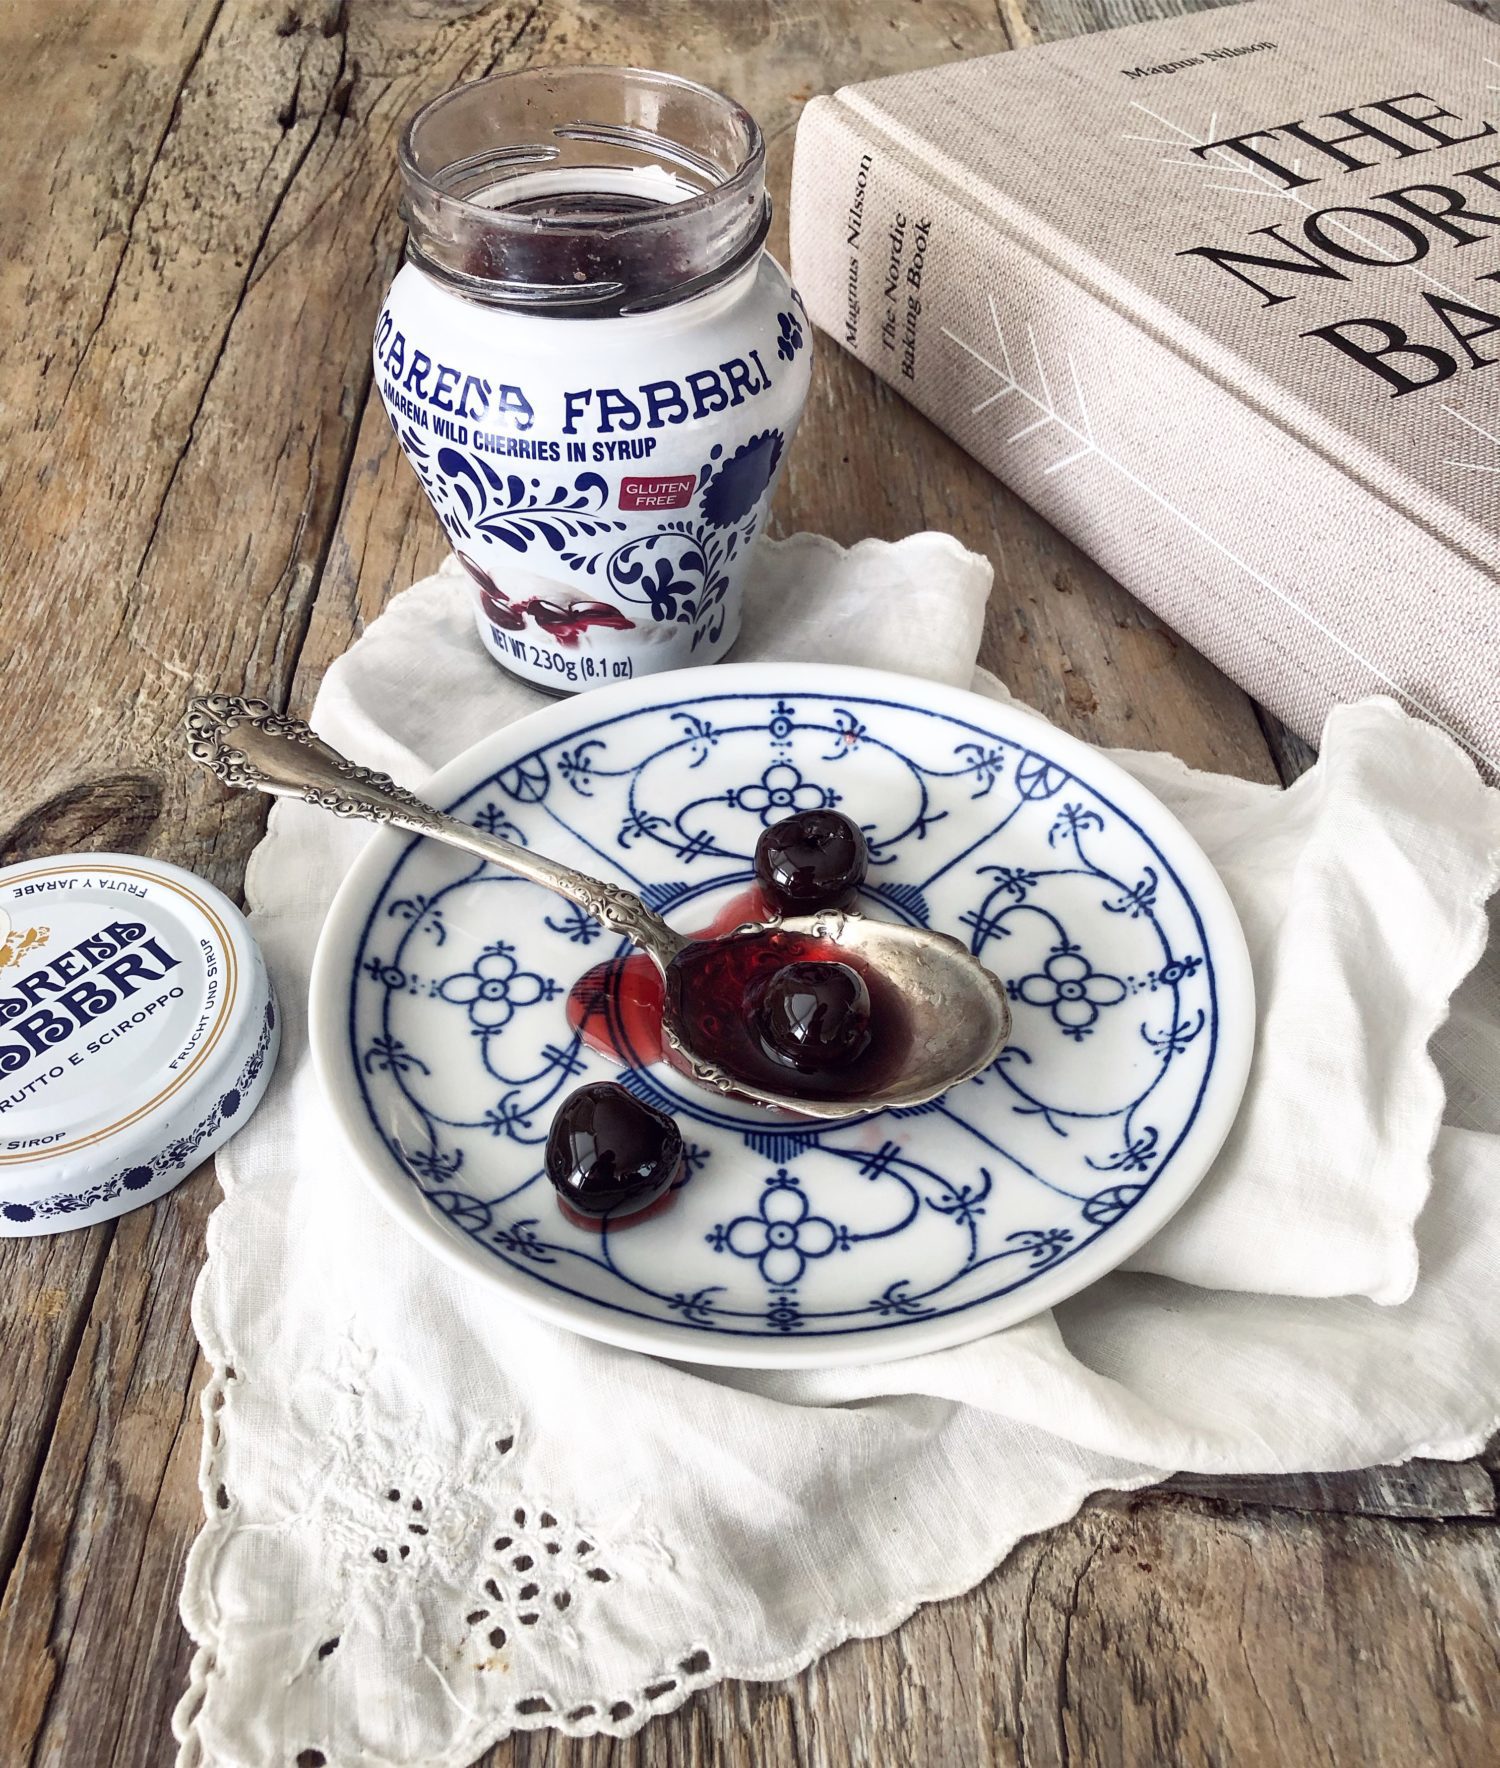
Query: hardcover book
[[1220, 297]]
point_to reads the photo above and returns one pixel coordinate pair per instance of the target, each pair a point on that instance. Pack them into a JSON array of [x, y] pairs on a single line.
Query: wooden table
[[200, 489]]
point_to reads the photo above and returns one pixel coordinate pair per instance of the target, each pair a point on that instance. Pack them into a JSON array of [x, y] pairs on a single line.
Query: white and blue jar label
[[601, 480]]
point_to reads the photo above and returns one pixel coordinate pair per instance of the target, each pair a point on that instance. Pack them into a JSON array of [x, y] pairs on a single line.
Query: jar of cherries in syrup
[[592, 362]]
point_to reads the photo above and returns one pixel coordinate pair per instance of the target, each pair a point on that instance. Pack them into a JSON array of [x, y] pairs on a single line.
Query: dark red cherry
[[497, 606], [500, 613], [813, 1016], [554, 619], [601, 614], [814, 860], [608, 1154], [566, 623], [478, 573]]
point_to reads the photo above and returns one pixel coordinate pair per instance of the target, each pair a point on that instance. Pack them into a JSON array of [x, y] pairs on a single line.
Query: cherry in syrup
[[814, 860], [711, 990], [564, 621], [815, 1017], [498, 608], [610, 1156], [617, 1006]]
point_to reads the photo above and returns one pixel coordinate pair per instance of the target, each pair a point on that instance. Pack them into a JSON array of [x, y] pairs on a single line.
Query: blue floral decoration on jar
[[741, 480], [791, 339]]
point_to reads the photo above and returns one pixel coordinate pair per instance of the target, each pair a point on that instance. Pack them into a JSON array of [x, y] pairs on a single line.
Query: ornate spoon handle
[[245, 743]]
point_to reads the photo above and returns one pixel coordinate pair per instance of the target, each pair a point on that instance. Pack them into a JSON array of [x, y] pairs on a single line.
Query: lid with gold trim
[[137, 1034]]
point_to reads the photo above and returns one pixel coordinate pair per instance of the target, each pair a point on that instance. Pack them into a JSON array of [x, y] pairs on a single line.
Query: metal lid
[[137, 1034]]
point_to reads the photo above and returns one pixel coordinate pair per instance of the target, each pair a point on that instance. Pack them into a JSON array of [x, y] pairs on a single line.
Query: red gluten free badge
[[674, 492]]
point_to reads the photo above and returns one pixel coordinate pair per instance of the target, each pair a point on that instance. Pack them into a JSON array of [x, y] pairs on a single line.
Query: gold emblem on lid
[[15, 942]]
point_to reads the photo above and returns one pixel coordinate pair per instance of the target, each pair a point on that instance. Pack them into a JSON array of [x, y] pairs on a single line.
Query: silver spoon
[[958, 1018]]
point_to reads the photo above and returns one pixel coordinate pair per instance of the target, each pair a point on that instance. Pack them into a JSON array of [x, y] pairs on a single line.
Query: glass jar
[[592, 363]]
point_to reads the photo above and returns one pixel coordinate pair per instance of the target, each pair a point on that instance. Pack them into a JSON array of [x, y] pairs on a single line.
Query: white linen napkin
[[398, 1468]]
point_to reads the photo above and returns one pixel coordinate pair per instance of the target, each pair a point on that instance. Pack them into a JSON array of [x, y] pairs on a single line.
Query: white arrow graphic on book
[[1040, 399], [1045, 404], [1473, 466]]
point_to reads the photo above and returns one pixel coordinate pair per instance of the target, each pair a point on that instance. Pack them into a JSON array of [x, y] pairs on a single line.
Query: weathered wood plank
[[85, 100], [180, 396], [90, 1607], [1153, 1630], [1419, 1491], [46, 1293], [1291, 754]]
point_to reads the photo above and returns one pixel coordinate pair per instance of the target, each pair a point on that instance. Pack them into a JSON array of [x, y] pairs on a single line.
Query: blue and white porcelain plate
[[439, 1029]]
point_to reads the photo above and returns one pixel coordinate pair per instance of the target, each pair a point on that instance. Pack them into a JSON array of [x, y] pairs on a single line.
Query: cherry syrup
[[617, 1007], [567, 624], [713, 986], [615, 1224]]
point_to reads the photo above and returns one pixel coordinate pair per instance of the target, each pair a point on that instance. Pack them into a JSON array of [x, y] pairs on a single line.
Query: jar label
[[601, 481]]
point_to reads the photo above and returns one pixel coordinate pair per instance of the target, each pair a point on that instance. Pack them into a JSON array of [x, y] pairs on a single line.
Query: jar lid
[[137, 1034]]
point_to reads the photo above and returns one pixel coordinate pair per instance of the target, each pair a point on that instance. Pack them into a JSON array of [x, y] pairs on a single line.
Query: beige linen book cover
[[1220, 296]]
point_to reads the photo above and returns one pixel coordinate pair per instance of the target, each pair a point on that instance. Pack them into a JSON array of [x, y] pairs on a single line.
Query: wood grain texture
[[1159, 1631], [199, 490]]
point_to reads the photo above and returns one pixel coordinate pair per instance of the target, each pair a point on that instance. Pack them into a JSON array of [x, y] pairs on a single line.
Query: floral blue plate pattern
[[439, 1028]]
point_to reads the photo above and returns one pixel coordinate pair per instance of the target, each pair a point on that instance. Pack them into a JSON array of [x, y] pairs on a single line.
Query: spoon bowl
[[955, 1025], [956, 1014]]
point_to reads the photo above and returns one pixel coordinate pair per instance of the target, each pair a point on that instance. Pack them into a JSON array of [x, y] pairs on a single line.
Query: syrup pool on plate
[[616, 1007]]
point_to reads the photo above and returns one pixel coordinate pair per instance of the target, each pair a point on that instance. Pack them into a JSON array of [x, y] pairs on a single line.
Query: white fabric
[[392, 1454]]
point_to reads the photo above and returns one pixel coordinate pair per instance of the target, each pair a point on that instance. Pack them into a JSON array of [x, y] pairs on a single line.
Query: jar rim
[[749, 171]]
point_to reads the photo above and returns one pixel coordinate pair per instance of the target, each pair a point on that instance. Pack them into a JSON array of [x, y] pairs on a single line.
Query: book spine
[[1301, 584]]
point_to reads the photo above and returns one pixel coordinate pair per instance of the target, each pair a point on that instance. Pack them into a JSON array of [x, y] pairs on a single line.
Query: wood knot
[[112, 815]]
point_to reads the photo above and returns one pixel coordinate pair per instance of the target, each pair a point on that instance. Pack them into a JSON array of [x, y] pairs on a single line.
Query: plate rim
[[348, 911]]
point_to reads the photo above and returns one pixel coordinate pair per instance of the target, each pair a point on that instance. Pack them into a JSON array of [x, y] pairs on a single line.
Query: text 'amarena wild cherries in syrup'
[[592, 363]]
